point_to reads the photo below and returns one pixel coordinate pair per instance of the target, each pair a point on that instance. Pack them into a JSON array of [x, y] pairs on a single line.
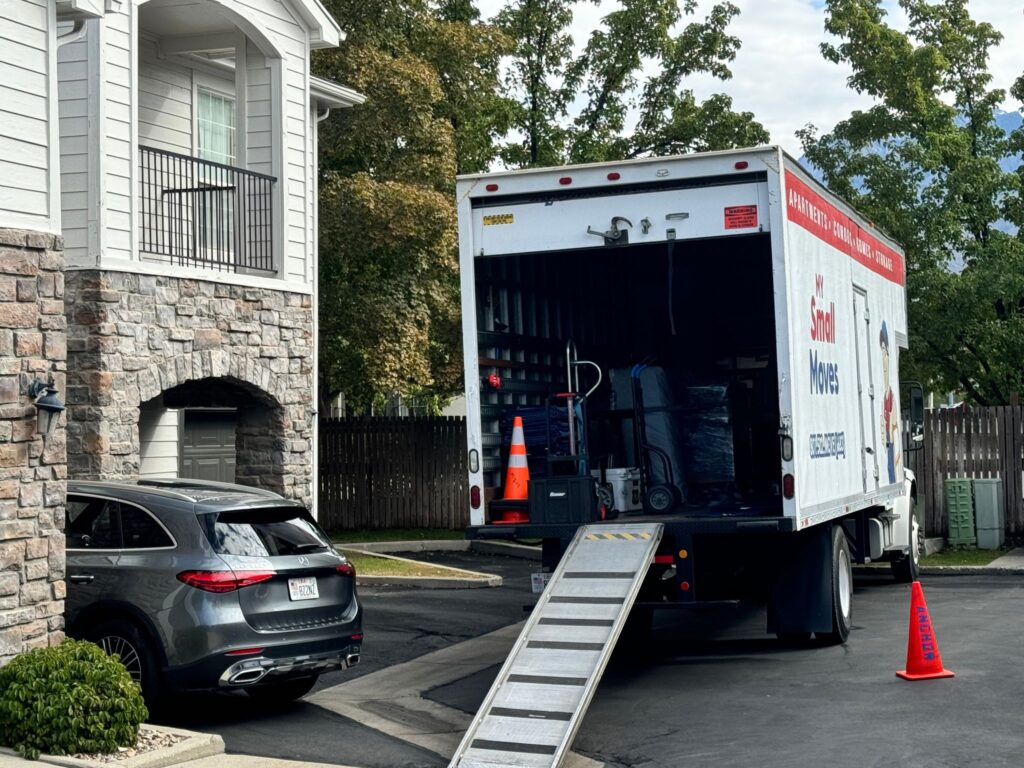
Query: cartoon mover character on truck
[[890, 426]]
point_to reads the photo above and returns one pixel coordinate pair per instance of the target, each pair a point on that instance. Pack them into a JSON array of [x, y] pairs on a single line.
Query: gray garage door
[[208, 445]]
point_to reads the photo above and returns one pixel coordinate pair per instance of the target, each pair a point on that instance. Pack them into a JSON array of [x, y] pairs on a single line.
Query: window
[[265, 532], [140, 530], [91, 524], [217, 192], [215, 120]]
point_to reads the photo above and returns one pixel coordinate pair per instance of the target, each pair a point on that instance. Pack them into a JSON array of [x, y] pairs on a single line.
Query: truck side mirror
[[915, 435]]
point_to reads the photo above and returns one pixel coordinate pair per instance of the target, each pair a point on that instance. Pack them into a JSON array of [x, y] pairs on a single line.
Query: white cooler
[[625, 487]]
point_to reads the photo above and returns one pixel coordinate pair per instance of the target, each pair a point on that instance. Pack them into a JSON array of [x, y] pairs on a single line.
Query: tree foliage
[[577, 108], [388, 278], [923, 162], [436, 105]]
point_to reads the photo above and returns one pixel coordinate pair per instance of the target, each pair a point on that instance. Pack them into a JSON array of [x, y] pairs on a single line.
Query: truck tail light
[[787, 448], [474, 497], [223, 581], [787, 486], [740, 165], [491, 187], [614, 176], [565, 181]]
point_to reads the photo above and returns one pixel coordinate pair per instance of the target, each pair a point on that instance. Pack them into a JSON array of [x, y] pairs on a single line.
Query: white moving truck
[[709, 341]]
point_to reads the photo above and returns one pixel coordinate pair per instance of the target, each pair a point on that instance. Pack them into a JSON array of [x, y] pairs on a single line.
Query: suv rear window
[[264, 532]]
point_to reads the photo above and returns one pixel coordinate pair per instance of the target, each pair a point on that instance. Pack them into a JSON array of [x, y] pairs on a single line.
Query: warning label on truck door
[[741, 217]]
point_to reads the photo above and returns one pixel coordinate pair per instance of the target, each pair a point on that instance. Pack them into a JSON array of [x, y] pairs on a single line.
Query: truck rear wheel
[[842, 590]]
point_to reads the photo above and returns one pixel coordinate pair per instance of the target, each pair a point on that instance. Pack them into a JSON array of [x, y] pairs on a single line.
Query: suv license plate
[[303, 589]]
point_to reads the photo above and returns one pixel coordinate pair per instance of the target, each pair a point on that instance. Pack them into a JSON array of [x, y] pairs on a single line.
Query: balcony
[[205, 215]]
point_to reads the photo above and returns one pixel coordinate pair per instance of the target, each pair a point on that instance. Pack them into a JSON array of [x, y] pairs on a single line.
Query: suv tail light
[[223, 581], [347, 569]]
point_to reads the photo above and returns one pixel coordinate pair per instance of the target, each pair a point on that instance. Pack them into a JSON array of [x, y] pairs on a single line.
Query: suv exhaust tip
[[351, 660], [247, 676]]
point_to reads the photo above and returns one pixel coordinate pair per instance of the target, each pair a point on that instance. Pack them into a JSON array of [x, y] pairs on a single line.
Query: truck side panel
[[846, 303]]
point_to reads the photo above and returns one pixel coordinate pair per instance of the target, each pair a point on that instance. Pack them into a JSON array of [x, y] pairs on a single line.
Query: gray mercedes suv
[[199, 585]]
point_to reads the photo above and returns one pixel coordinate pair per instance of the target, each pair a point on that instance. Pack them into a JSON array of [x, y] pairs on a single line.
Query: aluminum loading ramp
[[537, 702]]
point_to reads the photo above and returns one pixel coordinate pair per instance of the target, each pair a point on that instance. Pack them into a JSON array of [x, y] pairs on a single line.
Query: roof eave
[[324, 31], [333, 95]]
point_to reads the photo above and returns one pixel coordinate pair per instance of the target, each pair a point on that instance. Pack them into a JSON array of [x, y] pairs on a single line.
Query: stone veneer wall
[[32, 470], [131, 337]]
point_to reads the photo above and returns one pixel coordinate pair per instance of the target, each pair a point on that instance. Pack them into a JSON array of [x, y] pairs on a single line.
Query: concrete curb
[[430, 582], [505, 548], [390, 547], [461, 579], [194, 747], [942, 570], [970, 570]]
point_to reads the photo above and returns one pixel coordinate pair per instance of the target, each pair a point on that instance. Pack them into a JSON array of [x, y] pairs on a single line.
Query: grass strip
[[395, 534], [963, 557], [370, 565]]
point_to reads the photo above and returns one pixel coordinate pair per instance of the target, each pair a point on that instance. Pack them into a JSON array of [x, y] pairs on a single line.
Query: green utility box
[[989, 515], [959, 497]]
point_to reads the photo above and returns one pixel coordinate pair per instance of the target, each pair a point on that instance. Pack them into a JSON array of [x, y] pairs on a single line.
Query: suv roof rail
[[188, 482]]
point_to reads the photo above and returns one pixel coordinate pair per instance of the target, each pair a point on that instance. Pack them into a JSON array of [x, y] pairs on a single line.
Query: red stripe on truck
[[808, 209]]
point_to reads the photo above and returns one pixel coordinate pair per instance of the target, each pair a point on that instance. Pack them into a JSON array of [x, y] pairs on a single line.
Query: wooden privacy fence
[[384, 472], [976, 443]]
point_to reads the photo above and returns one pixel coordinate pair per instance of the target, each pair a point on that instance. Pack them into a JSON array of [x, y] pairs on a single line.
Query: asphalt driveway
[[712, 690]]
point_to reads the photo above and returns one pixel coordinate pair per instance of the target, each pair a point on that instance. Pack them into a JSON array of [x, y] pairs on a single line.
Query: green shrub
[[66, 699]]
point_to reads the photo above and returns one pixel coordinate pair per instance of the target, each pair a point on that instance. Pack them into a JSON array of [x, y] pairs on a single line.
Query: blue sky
[[779, 74]]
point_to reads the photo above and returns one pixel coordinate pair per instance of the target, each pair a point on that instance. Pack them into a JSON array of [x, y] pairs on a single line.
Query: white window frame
[[219, 84]]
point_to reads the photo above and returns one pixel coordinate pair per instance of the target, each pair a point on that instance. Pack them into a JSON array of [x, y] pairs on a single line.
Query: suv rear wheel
[[287, 690], [121, 637]]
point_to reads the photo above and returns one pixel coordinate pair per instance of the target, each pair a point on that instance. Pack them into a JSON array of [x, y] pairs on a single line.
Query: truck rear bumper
[[674, 524]]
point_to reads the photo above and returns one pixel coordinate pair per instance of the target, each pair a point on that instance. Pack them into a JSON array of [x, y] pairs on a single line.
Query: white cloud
[[779, 73]]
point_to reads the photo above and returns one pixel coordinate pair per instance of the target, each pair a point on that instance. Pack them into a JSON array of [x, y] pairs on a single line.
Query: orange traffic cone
[[517, 477], [923, 659]]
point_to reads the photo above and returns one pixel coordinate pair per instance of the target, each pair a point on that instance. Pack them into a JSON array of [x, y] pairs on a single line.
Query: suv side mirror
[[915, 434]]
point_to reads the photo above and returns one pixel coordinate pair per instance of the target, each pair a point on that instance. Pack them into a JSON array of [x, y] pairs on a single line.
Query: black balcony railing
[[203, 214]]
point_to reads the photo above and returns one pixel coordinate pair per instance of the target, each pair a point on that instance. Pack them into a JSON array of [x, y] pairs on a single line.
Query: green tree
[[388, 282], [923, 162], [577, 108]]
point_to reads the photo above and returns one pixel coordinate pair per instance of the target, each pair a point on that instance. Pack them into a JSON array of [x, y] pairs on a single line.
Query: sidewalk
[[1012, 559], [213, 761], [248, 761]]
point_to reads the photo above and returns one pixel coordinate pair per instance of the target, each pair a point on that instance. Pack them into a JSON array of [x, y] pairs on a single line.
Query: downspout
[[315, 490], [77, 33]]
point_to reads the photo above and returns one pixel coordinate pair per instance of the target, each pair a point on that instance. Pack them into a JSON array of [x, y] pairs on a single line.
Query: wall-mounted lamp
[[48, 405]]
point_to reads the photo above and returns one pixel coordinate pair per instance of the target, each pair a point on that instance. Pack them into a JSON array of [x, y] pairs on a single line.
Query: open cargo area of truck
[[699, 314]]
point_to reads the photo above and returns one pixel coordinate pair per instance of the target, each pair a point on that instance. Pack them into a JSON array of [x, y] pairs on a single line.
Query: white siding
[[165, 102], [158, 440], [259, 136], [116, 94], [75, 142], [118, 172], [27, 130]]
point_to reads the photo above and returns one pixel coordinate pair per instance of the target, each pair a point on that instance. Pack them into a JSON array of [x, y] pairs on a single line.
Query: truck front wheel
[[905, 568], [842, 590]]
